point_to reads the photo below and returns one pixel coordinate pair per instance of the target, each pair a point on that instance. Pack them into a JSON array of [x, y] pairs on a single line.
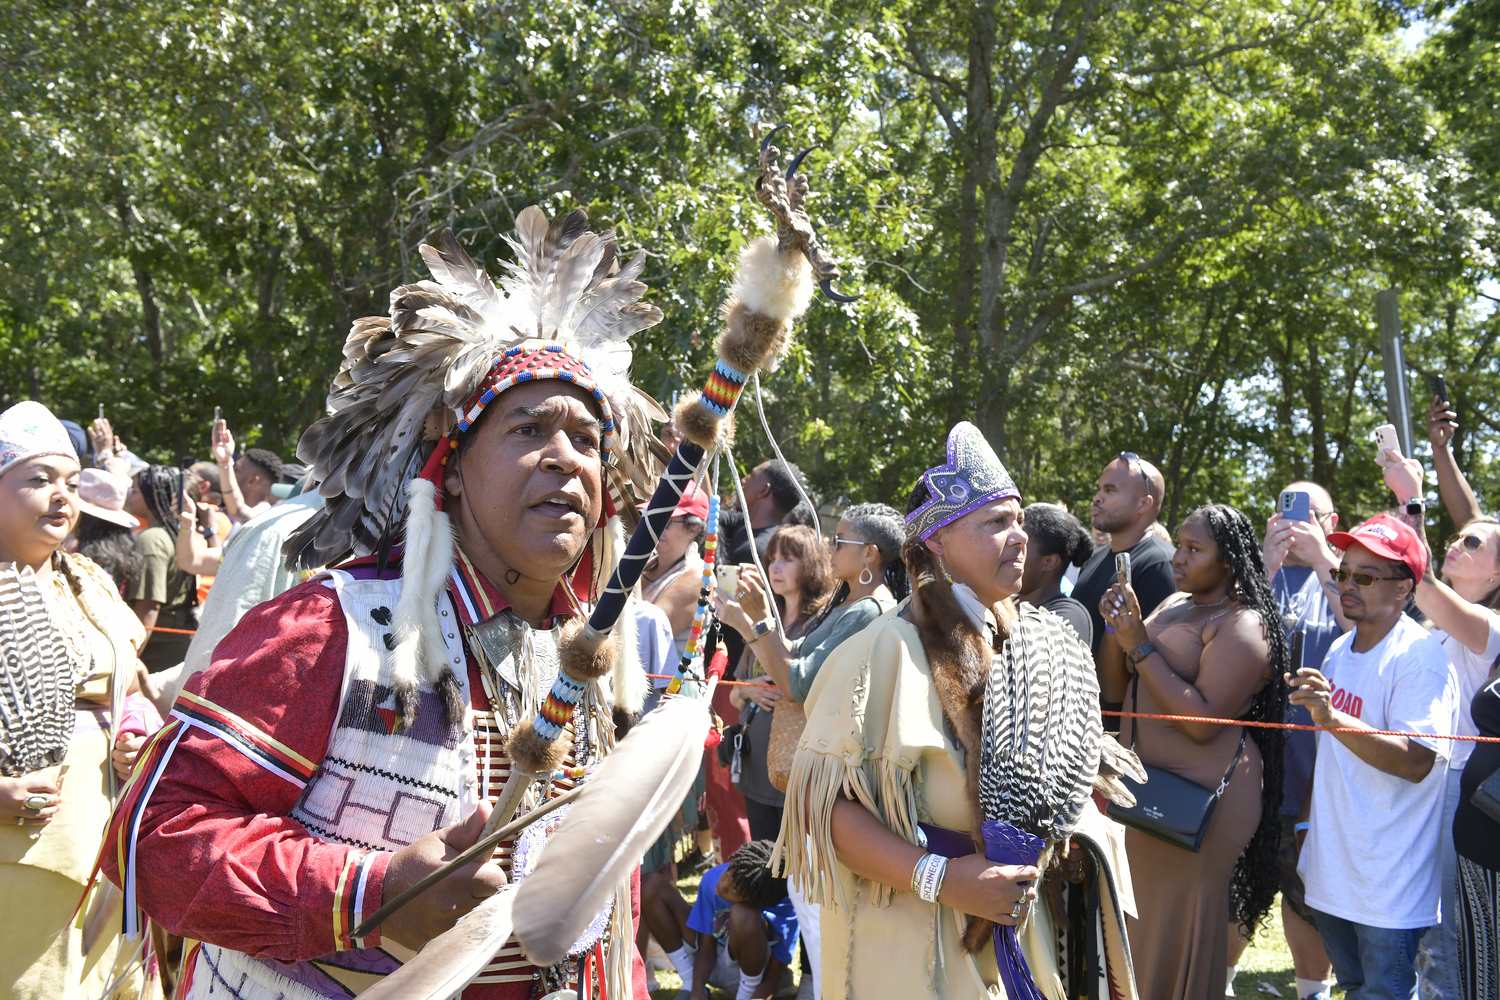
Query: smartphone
[[1122, 568], [1386, 440], [1440, 387], [728, 579], [1294, 648], [1296, 505]]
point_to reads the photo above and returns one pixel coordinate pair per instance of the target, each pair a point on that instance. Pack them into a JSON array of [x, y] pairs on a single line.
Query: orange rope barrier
[[667, 677], [1293, 725]]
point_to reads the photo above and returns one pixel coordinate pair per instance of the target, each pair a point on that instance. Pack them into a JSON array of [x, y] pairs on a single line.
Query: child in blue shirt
[[742, 921]]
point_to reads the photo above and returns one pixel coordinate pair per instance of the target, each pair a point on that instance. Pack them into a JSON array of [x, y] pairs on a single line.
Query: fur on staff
[[771, 283], [771, 289], [700, 425], [419, 653], [533, 753]]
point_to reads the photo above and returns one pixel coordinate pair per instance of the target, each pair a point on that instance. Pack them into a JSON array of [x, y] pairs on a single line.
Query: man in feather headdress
[[352, 732]]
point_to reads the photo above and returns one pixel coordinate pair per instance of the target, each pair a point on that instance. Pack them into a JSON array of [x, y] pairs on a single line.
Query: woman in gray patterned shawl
[[939, 801]]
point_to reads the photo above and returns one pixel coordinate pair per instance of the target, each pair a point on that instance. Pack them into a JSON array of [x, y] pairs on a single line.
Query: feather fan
[[629, 800], [437, 345], [448, 962]]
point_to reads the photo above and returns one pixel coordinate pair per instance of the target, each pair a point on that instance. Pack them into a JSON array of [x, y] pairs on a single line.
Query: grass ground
[[1265, 967], [1267, 963]]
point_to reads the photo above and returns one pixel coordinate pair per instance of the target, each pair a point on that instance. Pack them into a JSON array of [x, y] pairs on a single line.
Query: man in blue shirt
[[1299, 563], [742, 921]]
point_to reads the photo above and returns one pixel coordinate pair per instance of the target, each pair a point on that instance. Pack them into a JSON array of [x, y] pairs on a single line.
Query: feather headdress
[[565, 309], [406, 378]]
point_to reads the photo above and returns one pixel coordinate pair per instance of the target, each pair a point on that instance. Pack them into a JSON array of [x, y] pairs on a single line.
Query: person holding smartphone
[[1300, 564], [1463, 608], [1372, 904], [1127, 502], [1210, 651]]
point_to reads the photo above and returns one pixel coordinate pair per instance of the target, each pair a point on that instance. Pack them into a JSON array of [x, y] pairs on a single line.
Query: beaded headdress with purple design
[[971, 478]]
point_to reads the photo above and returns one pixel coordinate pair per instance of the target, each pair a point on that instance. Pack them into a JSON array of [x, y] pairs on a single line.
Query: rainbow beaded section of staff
[[557, 709], [723, 388], [700, 616]]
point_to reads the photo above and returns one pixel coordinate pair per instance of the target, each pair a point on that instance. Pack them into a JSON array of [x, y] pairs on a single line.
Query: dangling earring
[[866, 573]]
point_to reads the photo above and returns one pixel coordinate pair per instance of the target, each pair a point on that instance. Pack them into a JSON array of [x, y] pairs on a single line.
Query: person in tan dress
[[68, 658], [1215, 649]]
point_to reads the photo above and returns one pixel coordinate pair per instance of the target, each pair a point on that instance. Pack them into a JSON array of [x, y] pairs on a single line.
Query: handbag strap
[[1135, 729]]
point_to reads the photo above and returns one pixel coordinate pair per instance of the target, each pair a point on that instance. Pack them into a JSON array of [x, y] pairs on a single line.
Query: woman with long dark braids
[[1215, 650], [163, 596]]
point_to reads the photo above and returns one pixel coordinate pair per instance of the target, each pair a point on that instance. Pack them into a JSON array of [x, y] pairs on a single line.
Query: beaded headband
[[972, 477], [517, 365]]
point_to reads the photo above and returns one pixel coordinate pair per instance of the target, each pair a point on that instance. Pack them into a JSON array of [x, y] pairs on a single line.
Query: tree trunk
[[961, 400], [1312, 391], [144, 285]]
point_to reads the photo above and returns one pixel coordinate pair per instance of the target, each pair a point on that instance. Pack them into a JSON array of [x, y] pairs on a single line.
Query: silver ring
[[36, 802], [1016, 912]]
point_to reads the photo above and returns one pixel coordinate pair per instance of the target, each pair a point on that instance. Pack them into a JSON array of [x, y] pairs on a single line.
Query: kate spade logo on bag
[[1152, 812]]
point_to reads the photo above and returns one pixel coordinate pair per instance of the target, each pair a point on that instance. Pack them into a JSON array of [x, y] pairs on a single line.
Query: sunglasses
[[836, 541], [1134, 461], [1471, 542], [1360, 579]]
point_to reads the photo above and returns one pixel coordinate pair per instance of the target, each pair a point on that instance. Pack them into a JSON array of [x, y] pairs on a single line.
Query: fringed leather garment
[[1022, 699]]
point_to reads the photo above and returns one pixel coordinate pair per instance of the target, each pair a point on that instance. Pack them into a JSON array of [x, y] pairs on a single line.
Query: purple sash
[[1004, 845]]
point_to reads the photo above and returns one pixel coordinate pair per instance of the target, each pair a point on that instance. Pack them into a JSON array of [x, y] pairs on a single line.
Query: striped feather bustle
[[36, 696], [1040, 740]]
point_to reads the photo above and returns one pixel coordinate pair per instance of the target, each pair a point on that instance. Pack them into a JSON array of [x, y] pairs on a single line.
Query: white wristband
[[929, 876]]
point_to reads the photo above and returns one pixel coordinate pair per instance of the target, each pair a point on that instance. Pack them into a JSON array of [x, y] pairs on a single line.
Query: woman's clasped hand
[[979, 887]]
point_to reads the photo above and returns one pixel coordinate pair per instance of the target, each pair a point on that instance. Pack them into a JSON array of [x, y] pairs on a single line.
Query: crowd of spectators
[[1369, 821]]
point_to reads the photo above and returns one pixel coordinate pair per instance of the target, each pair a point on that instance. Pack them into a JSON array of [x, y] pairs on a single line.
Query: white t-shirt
[[1473, 670], [1372, 852]]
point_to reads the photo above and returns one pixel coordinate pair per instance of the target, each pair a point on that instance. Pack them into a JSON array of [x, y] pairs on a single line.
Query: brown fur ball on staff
[[700, 425], [751, 341]]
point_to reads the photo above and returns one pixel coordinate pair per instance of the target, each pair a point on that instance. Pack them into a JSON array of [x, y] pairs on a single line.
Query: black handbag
[[1168, 806]]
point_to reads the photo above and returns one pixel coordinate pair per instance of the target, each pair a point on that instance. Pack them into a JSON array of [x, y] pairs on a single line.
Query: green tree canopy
[[1089, 227]]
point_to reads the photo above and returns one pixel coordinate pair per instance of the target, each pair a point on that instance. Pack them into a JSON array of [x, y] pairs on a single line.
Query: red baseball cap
[[694, 503], [1388, 537]]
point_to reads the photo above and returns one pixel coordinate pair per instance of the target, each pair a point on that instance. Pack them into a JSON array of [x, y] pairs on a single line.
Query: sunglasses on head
[[1134, 461], [1360, 579]]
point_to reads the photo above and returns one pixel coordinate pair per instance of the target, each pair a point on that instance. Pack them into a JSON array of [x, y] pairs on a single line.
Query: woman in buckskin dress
[[950, 750], [69, 646]]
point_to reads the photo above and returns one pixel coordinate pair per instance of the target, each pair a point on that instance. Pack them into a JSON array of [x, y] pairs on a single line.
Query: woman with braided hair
[[1215, 649], [939, 802], [162, 595], [67, 669]]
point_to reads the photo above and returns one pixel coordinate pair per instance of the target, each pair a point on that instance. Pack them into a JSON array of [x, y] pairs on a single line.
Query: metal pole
[[1397, 392]]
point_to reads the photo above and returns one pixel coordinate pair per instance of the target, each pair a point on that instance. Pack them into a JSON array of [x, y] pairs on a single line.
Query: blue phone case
[[1296, 505]]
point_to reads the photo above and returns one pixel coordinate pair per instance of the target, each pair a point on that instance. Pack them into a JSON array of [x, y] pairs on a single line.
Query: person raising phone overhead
[[1300, 565]]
